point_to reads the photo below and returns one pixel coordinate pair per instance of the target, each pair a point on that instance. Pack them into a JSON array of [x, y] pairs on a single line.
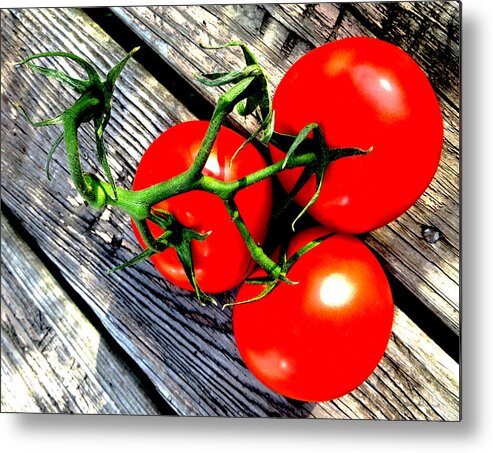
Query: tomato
[[222, 259], [364, 93], [321, 338]]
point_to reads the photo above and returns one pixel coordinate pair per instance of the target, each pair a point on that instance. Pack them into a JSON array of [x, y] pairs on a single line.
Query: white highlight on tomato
[[336, 290], [212, 166], [284, 365], [385, 84]]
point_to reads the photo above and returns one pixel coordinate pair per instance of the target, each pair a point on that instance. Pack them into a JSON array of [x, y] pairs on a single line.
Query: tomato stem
[[224, 107], [248, 94], [257, 252], [71, 122]]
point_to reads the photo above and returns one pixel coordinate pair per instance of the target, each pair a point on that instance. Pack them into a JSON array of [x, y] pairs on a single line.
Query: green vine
[[248, 94]]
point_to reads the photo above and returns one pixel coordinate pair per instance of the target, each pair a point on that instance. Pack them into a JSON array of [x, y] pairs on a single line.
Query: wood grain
[[187, 351], [279, 34], [53, 359]]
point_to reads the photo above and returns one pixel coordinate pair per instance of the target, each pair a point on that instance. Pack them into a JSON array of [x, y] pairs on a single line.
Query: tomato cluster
[[323, 336]]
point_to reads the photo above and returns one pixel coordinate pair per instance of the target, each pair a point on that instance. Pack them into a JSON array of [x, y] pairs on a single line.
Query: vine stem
[[224, 107], [138, 203], [248, 93], [256, 251], [71, 120]]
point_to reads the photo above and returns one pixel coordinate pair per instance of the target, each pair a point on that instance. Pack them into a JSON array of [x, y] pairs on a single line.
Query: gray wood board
[[279, 34], [187, 351], [53, 359]]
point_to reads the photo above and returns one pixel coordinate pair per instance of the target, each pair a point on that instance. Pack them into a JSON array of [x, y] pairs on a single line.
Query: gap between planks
[[53, 359]]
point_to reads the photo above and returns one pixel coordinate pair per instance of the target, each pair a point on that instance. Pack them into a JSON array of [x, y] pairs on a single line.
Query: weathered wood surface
[[187, 351], [53, 359], [279, 34]]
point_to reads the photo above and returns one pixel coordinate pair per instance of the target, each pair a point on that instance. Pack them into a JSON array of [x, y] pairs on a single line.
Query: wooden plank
[[187, 351], [53, 359], [428, 31], [279, 34]]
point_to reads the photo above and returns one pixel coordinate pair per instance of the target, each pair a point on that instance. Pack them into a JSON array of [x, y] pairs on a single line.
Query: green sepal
[[224, 78], [240, 90], [320, 166], [247, 53], [248, 140], [116, 70], [48, 122], [266, 127], [305, 249], [268, 115], [80, 86], [50, 155], [248, 106], [327, 156], [302, 143], [259, 99], [267, 290], [340, 153], [288, 199], [90, 71], [300, 138], [258, 280], [175, 236], [148, 238], [286, 265], [180, 238], [163, 219], [147, 253], [282, 141], [102, 120], [319, 177], [99, 125], [184, 252], [94, 104]]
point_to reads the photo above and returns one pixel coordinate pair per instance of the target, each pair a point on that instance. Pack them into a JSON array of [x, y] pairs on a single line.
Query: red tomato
[[222, 259], [321, 338], [363, 92]]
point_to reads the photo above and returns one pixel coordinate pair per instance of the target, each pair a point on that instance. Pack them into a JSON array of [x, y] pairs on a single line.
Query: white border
[[52, 433]]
